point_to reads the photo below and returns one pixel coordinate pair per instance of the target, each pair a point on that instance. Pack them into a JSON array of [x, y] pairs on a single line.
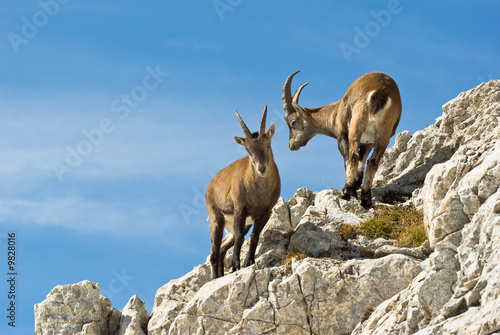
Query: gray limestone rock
[[76, 309], [459, 290]]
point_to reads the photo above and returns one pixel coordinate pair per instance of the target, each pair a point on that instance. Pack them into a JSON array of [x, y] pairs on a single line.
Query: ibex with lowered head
[[364, 119], [242, 194]]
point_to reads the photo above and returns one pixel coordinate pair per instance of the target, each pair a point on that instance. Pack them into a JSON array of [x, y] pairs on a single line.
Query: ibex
[[364, 119], [242, 194]]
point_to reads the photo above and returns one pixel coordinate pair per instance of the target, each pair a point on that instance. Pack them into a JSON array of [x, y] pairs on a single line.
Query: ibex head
[[297, 118], [258, 144]]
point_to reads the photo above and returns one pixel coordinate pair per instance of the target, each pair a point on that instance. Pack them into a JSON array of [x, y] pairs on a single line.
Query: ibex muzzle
[[258, 145]]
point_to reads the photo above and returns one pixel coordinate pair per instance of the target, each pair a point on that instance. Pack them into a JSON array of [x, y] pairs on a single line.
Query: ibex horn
[[287, 93], [262, 129], [243, 126], [295, 98]]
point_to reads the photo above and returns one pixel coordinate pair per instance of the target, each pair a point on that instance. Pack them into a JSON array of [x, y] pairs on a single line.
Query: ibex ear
[[299, 109], [270, 131], [239, 140]]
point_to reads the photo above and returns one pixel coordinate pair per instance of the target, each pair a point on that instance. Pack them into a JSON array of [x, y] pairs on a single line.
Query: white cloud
[[84, 215]]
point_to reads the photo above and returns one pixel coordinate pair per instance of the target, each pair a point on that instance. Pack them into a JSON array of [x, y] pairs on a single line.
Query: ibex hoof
[[249, 263], [348, 192], [366, 199]]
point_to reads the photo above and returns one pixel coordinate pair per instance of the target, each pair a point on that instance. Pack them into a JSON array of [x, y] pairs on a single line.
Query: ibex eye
[[293, 123]]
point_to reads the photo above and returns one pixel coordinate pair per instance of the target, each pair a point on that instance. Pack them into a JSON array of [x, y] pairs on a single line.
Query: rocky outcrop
[[311, 278], [174, 296], [318, 296], [80, 309], [325, 293], [134, 318], [459, 290], [472, 116], [76, 309]]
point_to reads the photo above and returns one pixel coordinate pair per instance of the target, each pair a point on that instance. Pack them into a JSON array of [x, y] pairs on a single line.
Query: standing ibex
[[364, 119], [242, 194]]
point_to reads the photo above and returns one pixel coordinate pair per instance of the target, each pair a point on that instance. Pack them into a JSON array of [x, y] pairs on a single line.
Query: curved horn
[[243, 126], [262, 129], [295, 98], [287, 92]]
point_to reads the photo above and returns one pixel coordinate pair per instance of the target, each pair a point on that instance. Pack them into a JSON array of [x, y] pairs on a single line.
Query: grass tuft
[[404, 224], [294, 253], [291, 254], [348, 231]]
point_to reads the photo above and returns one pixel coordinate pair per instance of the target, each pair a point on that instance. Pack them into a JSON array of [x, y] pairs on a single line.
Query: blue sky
[[114, 116]]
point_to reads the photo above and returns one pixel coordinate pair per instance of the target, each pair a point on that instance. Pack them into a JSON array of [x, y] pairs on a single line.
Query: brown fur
[[362, 113], [239, 190]]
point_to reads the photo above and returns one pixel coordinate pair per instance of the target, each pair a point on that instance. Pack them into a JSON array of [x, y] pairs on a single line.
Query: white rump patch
[[374, 122], [387, 103], [370, 96]]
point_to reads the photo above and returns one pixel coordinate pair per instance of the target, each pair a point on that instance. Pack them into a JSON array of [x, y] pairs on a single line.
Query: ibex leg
[[373, 162], [239, 237], [364, 150], [216, 232], [254, 238]]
